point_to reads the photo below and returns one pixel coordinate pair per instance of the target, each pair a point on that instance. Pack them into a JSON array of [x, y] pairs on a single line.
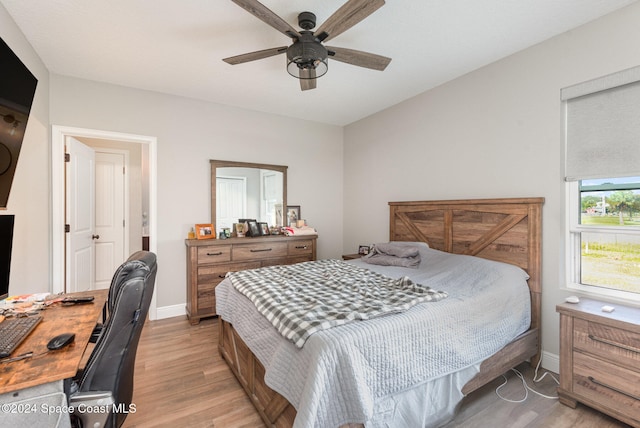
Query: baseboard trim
[[550, 362], [171, 311]]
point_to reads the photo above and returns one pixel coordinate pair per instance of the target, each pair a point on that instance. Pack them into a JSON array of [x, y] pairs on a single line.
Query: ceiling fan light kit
[[307, 57]]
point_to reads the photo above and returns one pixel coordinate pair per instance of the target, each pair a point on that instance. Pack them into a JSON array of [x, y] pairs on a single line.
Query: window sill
[[615, 296]]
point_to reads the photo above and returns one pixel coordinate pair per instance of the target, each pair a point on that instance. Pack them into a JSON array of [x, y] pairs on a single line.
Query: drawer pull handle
[[261, 251], [301, 247], [223, 276], [219, 253], [612, 343], [593, 380]]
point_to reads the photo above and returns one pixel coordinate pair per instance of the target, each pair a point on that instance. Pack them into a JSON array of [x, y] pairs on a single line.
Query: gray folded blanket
[[389, 254]]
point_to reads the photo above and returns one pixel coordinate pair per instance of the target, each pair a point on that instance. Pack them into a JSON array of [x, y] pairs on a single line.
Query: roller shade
[[602, 128]]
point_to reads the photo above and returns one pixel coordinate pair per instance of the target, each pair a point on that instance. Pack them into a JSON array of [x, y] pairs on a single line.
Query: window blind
[[602, 127]]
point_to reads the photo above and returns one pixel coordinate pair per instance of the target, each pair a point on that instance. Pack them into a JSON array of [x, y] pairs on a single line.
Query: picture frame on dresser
[[205, 231], [254, 229], [247, 225], [264, 229], [293, 215]]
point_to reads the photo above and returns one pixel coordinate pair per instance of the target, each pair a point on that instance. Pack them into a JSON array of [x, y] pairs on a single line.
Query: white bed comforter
[[375, 371]]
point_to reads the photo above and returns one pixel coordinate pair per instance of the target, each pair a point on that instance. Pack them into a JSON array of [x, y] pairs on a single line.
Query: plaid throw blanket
[[304, 298]]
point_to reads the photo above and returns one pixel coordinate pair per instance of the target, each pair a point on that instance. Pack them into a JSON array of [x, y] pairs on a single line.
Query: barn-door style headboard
[[506, 230]]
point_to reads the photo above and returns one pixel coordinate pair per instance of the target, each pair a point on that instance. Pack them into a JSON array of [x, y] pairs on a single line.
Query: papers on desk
[[35, 297], [23, 304]]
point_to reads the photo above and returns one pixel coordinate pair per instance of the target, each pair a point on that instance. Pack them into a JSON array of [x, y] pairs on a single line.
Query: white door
[[109, 216], [80, 216], [230, 201]]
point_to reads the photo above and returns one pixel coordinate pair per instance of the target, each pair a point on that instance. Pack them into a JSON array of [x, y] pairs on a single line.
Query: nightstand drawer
[[613, 344], [607, 384], [259, 251], [217, 254]]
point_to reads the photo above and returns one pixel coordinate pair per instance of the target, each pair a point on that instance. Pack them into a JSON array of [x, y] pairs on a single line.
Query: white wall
[[495, 132], [29, 196], [189, 133]]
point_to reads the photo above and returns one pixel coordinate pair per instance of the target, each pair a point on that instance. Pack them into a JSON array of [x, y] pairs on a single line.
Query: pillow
[[411, 243], [394, 254]]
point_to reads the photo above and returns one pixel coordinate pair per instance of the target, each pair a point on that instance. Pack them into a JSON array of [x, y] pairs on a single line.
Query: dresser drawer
[[206, 296], [214, 254], [300, 248], [613, 344], [214, 274], [258, 251], [607, 384]]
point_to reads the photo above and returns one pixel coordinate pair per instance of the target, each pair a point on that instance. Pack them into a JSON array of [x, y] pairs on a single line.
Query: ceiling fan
[[307, 57]]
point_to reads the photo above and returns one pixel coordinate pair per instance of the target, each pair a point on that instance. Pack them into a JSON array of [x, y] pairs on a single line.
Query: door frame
[[58, 185]]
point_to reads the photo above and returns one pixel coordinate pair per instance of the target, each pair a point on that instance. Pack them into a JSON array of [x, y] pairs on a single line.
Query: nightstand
[[600, 358]]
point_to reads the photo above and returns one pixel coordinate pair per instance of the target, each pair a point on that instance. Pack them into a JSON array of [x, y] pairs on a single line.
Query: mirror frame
[[215, 164]]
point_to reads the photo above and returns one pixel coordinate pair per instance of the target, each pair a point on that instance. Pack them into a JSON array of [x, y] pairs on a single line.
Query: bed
[[506, 231]]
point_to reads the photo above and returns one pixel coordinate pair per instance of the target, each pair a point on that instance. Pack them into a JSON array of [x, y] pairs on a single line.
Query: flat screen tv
[[17, 88], [6, 242]]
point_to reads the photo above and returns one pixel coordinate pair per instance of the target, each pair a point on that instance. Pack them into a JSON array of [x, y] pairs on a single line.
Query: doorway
[[145, 223]]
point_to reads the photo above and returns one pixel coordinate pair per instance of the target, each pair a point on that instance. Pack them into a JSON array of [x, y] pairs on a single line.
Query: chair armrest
[[92, 407]]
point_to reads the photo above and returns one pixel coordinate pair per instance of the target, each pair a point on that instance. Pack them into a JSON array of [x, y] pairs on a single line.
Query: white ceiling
[[177, 47]]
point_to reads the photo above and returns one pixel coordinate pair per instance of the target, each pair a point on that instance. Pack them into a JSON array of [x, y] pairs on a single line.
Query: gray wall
[[495, 132], [29, 196], [189, 133]]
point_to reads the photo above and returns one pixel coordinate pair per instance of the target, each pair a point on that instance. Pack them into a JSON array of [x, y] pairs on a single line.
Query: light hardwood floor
[[181, 381]]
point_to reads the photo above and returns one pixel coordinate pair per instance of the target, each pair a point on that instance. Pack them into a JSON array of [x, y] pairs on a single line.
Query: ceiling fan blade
[[308, 79], [359, 58], [265, 14], [352, 12], [252, 56]]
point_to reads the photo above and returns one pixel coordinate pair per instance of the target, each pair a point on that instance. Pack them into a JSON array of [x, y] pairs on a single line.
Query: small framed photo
[[254, 229], [247, 228], [293, 215], [363, 250], [264, 229], [240, 229], [205, 231]]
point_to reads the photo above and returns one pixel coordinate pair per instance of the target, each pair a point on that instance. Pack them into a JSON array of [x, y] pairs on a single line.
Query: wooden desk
[[45, 367]]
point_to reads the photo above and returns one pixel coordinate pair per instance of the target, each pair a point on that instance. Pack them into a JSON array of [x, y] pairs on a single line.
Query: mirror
[[247, 190]]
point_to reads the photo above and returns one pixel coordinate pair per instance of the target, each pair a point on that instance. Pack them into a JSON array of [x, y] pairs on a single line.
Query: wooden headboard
[[507, 230]]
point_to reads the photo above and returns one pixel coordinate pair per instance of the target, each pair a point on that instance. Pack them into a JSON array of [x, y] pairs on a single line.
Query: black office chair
[[116, 283], [107, 380]]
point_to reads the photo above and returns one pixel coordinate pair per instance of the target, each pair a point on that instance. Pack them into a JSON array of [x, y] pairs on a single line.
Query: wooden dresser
[[209, 260], [600, 358]]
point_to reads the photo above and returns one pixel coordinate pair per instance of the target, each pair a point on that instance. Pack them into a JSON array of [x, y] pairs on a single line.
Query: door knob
[[95, 236]]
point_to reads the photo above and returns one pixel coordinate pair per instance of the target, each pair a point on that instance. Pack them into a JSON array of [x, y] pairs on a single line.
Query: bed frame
[[506, 230]]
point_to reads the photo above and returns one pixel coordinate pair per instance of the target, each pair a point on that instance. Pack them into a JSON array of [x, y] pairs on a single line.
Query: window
[[605, 235], [602, 171]]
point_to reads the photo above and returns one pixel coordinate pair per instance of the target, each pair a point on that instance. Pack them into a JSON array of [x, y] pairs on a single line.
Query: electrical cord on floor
[[526, 387]]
